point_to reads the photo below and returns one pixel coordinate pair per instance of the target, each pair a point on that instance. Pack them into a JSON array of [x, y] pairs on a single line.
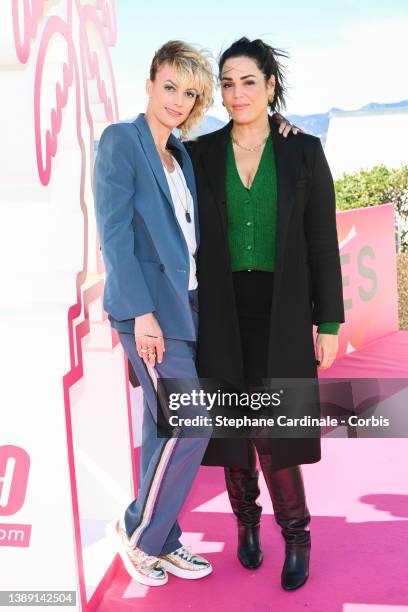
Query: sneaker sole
[[182, 573], [130, 568]]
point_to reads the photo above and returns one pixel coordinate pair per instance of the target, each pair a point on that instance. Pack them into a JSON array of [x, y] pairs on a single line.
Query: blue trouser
[[168, 466]]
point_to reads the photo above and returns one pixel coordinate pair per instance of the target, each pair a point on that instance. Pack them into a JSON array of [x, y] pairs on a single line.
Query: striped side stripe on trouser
[[160, 471]]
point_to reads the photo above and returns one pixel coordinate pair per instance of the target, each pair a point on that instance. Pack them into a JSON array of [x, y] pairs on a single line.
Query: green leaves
[[380, 185]]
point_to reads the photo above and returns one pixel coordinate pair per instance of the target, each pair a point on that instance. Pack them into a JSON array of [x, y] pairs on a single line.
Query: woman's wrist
[[328, 328]]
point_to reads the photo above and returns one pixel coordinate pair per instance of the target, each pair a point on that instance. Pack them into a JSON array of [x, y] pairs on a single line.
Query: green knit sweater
[[252, 218]]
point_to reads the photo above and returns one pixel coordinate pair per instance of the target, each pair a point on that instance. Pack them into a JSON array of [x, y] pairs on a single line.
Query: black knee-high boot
[[243, 491], [287, 492]]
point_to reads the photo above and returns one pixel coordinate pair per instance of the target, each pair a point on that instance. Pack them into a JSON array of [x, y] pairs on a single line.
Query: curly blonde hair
[[193, 68]]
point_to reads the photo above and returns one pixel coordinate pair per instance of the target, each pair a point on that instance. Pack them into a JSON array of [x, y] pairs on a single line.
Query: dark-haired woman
[[269, 269]]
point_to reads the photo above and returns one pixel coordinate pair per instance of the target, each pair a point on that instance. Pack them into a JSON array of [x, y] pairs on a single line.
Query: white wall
[[364, 139]]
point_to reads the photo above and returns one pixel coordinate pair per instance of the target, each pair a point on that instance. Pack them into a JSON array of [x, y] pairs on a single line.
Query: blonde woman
[[146, 212]]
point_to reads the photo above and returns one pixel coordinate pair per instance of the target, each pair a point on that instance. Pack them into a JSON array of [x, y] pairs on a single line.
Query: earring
[[229, 114]]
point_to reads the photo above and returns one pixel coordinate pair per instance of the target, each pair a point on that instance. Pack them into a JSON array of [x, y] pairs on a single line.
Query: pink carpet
[[358, 498]]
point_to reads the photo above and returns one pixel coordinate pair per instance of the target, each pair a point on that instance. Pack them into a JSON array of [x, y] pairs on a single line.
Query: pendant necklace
[[186, 198]]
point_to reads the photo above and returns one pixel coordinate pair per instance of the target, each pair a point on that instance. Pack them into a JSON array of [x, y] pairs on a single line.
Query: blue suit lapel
[[155, 162], [153, 156]]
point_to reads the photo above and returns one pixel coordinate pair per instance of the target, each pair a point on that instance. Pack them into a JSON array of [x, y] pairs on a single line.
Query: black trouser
[[253, 295]]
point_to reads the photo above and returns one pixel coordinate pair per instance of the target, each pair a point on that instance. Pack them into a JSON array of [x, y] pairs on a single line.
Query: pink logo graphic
[[15, 535], [73, 81], [108, 19], [368, 260], [14, 469], [96, 61], [27, 21], [69, 71]]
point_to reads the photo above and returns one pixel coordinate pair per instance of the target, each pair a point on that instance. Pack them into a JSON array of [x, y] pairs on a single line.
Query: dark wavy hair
[[267, 59]]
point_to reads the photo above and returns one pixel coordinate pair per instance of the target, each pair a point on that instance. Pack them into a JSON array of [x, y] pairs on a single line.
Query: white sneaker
[[142, 567], [185, 564]]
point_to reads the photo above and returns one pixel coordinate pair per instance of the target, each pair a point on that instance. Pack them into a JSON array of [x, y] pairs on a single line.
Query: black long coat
[[307, 278]]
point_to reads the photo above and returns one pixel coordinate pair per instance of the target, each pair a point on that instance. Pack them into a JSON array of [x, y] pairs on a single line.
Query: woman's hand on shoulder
[[285, 126], [327, 346]]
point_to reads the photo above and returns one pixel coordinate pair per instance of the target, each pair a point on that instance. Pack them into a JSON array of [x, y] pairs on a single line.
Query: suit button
[[162, 268]]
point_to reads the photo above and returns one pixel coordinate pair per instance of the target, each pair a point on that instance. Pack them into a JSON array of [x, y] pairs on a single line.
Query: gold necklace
[[256, 148]]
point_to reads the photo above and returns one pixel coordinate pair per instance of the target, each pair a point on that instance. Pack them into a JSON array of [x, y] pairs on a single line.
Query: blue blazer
[[144, 250]]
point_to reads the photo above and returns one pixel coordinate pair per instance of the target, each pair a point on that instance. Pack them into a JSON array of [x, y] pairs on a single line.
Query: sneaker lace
[[185, 553], [142, 558], [137, 555]]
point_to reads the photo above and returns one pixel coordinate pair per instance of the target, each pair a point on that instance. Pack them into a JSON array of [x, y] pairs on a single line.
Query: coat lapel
[[153, 156], [190, 179], [156, 165], [287, 160], [213, 158]]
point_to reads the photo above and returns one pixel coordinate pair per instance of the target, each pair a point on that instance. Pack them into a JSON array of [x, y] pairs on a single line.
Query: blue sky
[[342, 53]]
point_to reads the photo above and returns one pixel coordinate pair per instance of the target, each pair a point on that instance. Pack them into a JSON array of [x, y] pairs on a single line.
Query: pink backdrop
[[368, 258]]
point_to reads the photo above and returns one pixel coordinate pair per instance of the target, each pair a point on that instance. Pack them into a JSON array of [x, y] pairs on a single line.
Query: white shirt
[[183, 201]]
